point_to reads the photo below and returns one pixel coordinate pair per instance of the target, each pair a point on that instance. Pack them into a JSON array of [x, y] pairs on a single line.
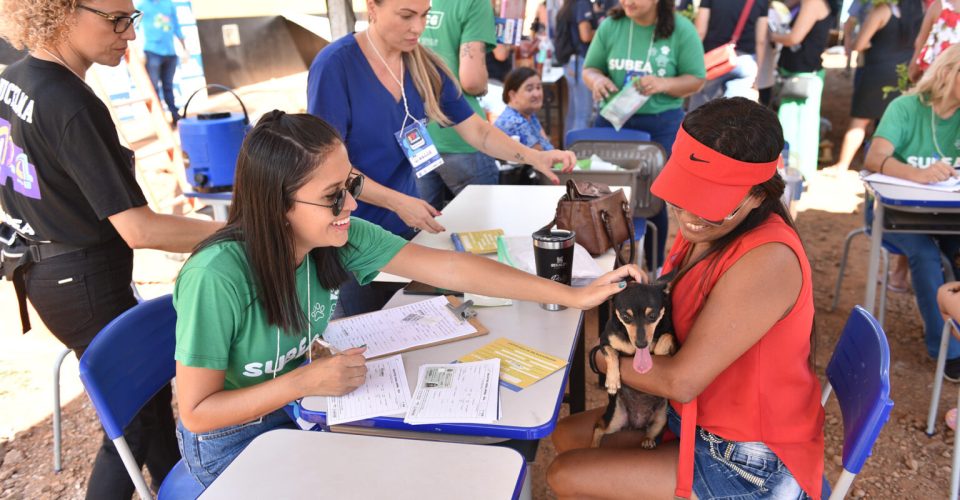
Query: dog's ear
[[666, 281]]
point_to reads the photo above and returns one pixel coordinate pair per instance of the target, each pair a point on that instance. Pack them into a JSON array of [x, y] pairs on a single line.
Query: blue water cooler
[[211, 143]]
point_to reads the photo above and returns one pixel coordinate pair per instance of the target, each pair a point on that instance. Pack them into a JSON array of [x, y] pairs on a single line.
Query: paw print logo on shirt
[[318, 312], [661, 72], [665, 50]]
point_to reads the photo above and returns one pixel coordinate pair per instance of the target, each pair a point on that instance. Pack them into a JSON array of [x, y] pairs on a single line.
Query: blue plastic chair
[[859, 373], [128, 362], [604, 134]]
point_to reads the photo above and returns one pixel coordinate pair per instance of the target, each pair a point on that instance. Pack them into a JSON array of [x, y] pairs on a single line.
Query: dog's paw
[[666, 346], [612, 384], [648, 444]]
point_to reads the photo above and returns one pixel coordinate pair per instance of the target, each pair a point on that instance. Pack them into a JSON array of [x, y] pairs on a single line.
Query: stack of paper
[[385, 392], [456, 393], [521, 365], [390, 331], [950, 185]]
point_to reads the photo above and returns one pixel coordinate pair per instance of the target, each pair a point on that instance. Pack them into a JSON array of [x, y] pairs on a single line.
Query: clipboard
[[454, 303]]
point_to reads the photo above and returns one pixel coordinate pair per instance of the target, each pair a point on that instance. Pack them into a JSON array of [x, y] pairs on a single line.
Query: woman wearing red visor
[[743, 396]]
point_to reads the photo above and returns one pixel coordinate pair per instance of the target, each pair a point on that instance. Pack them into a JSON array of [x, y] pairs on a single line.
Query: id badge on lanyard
[[418, 147]]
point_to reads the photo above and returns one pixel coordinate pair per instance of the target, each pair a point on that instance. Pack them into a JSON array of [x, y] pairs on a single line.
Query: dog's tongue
[[642, 362]]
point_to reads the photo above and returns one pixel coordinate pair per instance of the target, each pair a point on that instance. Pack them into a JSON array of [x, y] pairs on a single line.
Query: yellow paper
[[520, 366], [480, 242]]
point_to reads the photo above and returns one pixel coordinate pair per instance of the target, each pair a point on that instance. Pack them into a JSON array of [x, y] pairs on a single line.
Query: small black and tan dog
[[640, 322]]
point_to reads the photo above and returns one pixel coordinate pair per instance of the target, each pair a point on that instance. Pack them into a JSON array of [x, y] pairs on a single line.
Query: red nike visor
[[705, 182]]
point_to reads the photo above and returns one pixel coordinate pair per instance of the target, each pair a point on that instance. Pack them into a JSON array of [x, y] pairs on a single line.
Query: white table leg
[[938, 380], [955, 474], [876, 237], [526, 493]]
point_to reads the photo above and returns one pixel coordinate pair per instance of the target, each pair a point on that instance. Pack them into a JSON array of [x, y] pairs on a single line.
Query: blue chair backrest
[[129, 361], [859, 372], [605, 134]]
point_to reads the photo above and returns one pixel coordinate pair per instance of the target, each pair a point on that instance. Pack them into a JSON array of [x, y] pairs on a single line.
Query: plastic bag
[[623, 105]]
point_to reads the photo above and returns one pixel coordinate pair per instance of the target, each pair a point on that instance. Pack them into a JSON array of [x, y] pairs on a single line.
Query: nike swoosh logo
[[694, 158]]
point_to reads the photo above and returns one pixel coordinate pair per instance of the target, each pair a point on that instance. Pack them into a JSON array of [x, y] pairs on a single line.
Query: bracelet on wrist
[[884, 162]]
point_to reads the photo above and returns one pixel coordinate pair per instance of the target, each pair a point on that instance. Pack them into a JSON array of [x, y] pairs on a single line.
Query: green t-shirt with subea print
[[450, 24], [622, 47], [909, 125], [222, 326]]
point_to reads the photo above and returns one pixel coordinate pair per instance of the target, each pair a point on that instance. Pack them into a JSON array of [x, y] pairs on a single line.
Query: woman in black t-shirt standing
[[803, 47], [73, 202], [716, 23]]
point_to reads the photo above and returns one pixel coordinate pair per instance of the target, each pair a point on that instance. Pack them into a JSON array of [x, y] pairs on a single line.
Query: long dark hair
[[276, 159], [665, 20]]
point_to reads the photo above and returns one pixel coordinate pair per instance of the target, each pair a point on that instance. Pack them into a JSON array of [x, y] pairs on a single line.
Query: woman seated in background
[[255, 295], [917, 140], [743, 396], [523, 95]]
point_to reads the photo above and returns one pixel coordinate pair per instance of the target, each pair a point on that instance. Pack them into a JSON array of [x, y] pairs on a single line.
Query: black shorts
[[78, 293]]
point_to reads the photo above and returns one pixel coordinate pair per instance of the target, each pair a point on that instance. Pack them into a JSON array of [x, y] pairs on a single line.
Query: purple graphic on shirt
[[15, 165]]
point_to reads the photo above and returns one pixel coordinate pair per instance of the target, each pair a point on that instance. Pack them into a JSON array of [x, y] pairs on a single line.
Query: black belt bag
[[17, 254]]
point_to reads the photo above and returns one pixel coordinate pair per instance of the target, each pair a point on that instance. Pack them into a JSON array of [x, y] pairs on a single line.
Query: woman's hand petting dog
[[606, 286]]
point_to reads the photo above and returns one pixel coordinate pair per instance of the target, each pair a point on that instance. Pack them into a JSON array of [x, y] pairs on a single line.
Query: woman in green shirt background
[[647, 39]]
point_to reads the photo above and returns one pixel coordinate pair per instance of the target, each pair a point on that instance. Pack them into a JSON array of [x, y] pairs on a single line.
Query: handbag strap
[[742, 22], [618, 249]]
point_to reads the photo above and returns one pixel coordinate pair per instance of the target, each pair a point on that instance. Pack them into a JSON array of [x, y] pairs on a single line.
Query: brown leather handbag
[[600, 219]]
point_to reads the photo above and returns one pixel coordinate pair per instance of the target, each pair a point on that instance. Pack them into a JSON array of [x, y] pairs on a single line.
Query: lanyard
[[933, 131], [403, 92], [653, 34]]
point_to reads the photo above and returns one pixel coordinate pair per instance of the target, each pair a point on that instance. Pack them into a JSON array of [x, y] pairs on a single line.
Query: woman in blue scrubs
[[355, 85]]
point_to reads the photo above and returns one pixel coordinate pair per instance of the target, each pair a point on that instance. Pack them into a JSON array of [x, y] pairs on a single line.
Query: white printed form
[[456, 393], [385, 392], [398, 329]]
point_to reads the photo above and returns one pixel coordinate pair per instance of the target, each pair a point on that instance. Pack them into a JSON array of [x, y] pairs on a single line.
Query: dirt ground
[[905, 462]]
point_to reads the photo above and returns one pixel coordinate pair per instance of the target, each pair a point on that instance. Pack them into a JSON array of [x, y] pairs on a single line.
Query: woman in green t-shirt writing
[[256, 294], [917, 140], [648, 40]]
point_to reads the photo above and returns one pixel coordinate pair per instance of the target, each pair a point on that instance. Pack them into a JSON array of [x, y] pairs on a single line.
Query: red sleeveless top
[[769, 394]]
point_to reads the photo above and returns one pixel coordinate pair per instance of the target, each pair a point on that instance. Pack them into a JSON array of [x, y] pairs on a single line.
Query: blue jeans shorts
[[207, 454], [737, 470]]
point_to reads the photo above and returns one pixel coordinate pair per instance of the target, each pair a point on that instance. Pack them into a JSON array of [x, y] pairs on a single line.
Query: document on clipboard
[[404, 328]]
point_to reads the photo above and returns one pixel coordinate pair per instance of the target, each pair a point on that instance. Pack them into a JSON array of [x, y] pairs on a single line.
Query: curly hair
[[33, 24]]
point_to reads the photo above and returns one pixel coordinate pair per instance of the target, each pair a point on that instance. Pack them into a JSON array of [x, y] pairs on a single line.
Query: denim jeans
[[737, 83], [161, 70], [751, 471], [926, 276], [800, 119], [579, 97], [76, 295], [662, 128], [207, 454], [458, 171]]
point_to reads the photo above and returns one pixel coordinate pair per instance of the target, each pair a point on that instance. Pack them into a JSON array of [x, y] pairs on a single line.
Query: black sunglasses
[[354, 186], [120, 23]]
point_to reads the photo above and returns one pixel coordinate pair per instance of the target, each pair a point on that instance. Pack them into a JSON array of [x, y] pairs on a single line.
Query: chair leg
[[842, 486], [843, 265], [57, 439], [938, 380], [885, 263], [955, 472], [827, 389], [133, 470], [947, 268]]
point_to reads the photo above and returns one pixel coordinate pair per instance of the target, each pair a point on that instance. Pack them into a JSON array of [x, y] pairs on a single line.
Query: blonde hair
[[938, 82], [425, 67], [33, 24]]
